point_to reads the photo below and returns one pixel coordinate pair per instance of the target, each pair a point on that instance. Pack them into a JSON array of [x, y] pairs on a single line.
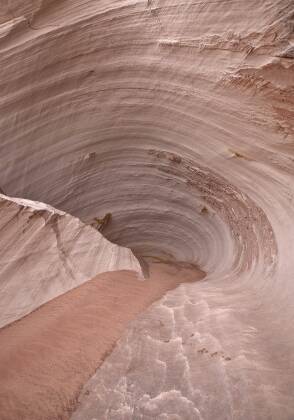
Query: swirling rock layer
[[176, 118]]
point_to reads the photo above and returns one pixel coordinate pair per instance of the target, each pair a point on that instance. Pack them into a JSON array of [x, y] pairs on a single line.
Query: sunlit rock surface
[[176, 117], [45, 252]]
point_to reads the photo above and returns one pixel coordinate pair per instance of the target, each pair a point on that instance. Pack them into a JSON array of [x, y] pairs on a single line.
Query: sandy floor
[[46, 357]]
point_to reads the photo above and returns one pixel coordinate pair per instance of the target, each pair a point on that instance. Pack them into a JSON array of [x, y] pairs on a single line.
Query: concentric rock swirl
[[176, 118]]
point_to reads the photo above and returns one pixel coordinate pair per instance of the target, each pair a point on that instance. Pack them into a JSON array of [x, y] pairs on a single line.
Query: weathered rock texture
[[47, 356], [176, 117], [45, 253]]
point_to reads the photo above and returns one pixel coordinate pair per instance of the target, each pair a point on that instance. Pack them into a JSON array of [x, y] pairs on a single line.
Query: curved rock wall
[[178, 119], [46, 252]]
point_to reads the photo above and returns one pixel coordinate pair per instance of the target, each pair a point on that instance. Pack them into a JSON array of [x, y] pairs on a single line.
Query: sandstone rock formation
[[45, 253], [176, 118]]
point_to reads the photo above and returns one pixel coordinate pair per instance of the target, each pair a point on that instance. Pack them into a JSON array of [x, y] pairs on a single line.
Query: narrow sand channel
[[46, 357]]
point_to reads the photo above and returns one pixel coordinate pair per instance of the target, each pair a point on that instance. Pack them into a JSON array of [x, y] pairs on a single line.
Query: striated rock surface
[[46, 252], [176, 118]]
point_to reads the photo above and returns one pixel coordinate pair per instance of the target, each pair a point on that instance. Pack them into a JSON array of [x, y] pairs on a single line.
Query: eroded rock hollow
[[160, 136]]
